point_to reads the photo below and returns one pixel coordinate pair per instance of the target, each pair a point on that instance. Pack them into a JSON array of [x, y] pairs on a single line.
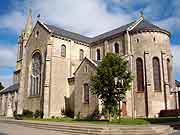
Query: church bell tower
[[22, 40]]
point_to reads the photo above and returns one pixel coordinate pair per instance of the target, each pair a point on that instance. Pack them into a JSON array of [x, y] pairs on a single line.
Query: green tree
[[1, 86], [103, 82]]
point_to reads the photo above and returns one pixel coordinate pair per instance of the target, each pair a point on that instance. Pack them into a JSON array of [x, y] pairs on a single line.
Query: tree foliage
[[103, 82], [1, 86]]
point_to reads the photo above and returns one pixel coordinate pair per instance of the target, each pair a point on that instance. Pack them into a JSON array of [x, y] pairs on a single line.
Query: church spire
[[142, 14], [29, 23]]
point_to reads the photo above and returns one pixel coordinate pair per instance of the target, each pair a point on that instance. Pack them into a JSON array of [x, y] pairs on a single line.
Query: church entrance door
[[124, 109]]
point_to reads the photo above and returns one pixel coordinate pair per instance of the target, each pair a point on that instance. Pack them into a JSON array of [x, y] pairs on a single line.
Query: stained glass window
[[36, 75]]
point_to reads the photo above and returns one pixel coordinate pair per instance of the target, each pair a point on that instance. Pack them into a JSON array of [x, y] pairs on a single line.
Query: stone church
[[54, 66]]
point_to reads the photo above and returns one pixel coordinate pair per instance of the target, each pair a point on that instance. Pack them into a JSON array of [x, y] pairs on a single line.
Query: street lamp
[[119, 83]]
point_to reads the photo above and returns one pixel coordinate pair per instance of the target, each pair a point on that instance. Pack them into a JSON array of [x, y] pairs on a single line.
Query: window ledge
[[86, 103], [37, 96], [157, 90], [139, 91]]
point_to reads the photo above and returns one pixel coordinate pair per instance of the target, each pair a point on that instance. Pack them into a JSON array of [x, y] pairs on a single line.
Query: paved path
[[12, 129], [176, 133]]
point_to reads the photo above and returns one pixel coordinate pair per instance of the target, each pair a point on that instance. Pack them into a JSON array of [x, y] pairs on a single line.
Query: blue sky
[[88, 17]]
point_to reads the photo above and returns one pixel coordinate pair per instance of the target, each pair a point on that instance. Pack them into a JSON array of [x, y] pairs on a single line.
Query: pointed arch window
[[156, 74], [98, 54], [140, 74], [116, 48], [63, 50], [36, 75]]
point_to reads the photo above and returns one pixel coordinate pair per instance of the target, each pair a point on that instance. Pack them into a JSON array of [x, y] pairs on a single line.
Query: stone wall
[[147, 45], [61, 69], [36, 43], [108, 46], [81, 77], [8, 103]]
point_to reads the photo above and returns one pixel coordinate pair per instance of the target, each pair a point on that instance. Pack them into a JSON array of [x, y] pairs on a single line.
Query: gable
[[43, 32], [86, 62]]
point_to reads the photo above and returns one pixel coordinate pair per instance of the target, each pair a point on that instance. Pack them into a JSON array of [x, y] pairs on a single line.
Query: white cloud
[[172, 23], [89, 17], [130, 2], [13, 21], [176, 56], [7, 60], [7, 56], [6, 80]]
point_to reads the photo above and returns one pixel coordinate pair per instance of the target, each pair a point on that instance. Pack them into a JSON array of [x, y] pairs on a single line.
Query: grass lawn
[[123, 121]]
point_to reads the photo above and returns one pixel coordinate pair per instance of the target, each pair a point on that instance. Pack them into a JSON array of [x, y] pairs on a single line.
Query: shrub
[[69, 113], [94, 116], [63, 111], [169, 113], [27, 113], [38, 114], [78, 116], [17, 116]]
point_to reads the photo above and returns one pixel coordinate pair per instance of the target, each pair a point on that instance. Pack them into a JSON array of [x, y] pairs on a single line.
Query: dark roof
[[112, 32], [177, 83], [11, 88], [61, 32], [147, 26], [142, 26]]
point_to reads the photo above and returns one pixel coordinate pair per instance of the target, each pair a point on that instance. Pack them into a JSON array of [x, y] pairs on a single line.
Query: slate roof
[[177, 83], [144, 25], [11, 88], [112, 32], [147, 26], [61, 32]]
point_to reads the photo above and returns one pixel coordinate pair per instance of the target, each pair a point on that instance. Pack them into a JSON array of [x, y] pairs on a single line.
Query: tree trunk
[[110, 118]]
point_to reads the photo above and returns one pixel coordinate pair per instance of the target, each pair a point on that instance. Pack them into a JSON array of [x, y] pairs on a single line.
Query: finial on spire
[[142, 14]]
